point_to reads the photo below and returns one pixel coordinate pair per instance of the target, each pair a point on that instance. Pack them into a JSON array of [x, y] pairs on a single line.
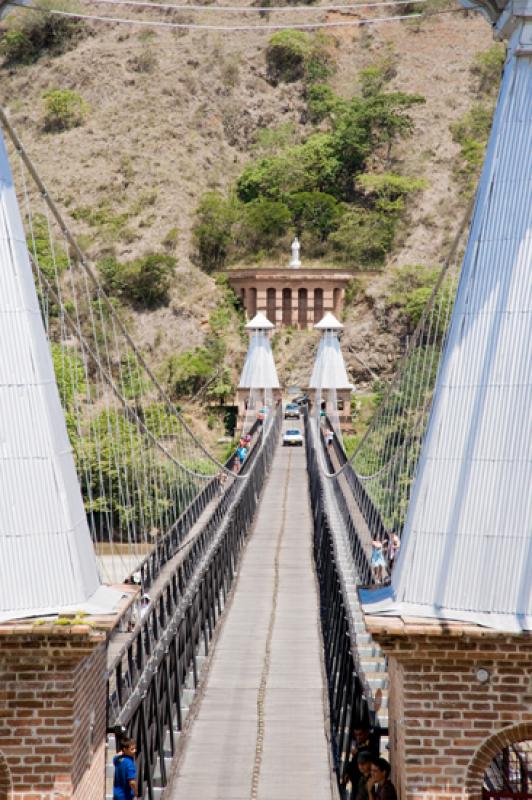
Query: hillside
[[173, 113]]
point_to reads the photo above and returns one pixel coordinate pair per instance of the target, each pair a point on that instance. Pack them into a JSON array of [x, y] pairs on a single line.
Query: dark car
[[291, 411]]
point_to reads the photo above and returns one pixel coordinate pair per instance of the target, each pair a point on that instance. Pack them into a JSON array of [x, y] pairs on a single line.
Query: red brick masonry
[[52, 712], [445, 724]]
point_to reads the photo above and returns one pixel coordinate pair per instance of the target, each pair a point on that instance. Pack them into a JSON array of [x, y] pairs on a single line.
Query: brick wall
[[445, 725], [52, 713]]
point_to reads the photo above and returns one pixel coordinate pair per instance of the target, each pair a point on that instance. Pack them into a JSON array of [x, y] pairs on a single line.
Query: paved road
[[260, 732]]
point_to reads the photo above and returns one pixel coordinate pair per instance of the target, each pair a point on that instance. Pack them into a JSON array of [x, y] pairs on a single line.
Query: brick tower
[[456, 621]]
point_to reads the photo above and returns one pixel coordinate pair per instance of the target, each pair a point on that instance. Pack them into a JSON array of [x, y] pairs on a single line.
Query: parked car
[[293, 437], [291, 411]]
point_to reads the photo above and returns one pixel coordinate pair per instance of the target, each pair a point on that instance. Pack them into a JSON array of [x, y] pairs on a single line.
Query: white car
[[292, 437]]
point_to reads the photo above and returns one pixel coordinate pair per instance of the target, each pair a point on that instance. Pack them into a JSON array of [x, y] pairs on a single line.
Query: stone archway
[[6, 785], [490, 748]]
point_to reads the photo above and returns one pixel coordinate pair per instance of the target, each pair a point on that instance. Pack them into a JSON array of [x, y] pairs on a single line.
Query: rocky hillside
[[169, 114]]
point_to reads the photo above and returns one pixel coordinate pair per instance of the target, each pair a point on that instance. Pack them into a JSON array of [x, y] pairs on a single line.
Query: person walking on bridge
[[383, 788], [361, 743], [125, 781]]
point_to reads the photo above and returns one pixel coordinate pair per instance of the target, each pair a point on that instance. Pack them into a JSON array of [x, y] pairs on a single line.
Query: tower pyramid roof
[[259, 367], [329, 323], [47, 560], [259, 323], [466, 549], [329, 370]]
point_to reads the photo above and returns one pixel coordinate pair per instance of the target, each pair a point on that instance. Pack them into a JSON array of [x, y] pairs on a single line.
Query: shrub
[[389, 190], [63, 109], [144, 280], [187, 372], [51, 261], [407, 278], [352, 291], [295, 55], [230, 73], [171, 239], [487, 68], [271, 140], [287, 53], [32, 33], [374, 78], [363, 238], [471, 132], [71, 383], [411, 288], [145, 61], [132, 378], [212, 231]]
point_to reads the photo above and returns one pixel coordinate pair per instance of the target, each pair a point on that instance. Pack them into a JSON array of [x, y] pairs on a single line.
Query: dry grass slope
[[173, 114]]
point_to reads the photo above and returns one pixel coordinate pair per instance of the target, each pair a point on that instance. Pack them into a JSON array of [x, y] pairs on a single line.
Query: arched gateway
[[502, 766]]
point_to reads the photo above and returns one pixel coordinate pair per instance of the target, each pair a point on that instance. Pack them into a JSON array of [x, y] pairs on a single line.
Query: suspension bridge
[[242, 619]]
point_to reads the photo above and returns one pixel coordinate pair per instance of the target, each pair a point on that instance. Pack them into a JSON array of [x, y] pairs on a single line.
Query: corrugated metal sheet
[[259, 370], [329, 370], [467, 545], [47, 559]]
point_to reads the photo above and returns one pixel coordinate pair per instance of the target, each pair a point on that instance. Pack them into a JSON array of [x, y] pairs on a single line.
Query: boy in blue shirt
[[125, 782]]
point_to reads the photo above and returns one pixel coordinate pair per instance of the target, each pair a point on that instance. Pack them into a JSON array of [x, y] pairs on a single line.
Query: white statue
[[294, 261]]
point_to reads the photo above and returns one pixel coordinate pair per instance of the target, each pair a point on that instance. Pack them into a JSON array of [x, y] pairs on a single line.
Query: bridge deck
[[261, 727]]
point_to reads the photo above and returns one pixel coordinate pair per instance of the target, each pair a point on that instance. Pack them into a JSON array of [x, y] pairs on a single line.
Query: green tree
[[311, 166], [213, 230], [263, 222], [322, 102], [317, 212]]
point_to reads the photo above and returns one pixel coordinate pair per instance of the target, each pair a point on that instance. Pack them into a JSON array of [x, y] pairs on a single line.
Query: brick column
[[261, 301], [446, 725], [295, 307], [53, 722], [310, 307]]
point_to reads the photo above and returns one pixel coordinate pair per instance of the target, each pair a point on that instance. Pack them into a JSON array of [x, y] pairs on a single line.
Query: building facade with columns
[[293, 295]]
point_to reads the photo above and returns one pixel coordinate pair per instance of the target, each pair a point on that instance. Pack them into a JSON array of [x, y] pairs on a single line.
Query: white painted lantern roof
[[329, 323], [259, 323]]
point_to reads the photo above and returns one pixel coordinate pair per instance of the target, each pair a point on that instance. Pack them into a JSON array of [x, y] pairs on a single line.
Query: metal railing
[[147, 678], [348, 705], [169, 545]]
